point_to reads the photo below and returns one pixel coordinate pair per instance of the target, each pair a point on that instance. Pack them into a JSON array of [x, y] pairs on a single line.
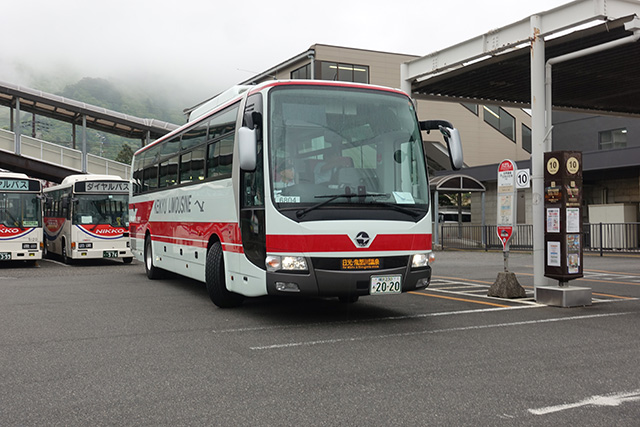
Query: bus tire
[[152, 271], [65, 257], [45, 249], [215, 280]]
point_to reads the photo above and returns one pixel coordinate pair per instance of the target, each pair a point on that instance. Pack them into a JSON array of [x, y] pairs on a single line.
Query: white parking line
[[435, 331], [607, 400]]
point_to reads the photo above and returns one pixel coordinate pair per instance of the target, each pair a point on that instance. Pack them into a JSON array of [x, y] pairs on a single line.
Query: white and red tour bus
[[87, 217], [306, 187], [20, 217]]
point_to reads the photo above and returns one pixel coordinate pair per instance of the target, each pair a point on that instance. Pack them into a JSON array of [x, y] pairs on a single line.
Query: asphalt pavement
[[97, 343]]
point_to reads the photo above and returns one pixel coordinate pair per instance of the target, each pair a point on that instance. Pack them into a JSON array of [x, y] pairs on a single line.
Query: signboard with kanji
[[506, 214]]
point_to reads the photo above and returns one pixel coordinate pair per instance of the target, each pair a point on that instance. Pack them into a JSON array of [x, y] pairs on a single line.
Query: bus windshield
[[20, 210], [337, 148], [102, 209]]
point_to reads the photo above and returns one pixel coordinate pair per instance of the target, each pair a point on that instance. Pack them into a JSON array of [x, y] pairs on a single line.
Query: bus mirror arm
[[430, 125], [247, 146], [256, 118]]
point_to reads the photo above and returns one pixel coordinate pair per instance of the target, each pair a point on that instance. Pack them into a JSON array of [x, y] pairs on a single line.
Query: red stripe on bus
[[343, 243], [197, 234], [191, 233]]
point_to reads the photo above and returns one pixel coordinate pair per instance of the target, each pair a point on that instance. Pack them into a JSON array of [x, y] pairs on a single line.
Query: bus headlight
[[29, 246], [422, 260], [85, 245], [287, 262]]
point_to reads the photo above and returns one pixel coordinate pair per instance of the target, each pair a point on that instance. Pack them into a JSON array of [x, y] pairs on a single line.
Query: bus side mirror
[[454, 144], [451, 137], [247, 146]]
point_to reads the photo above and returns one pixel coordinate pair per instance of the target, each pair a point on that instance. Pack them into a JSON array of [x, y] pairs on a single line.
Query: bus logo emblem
[[362, 239]]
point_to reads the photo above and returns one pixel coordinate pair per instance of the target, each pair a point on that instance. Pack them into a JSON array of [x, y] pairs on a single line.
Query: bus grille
[[335, 264]]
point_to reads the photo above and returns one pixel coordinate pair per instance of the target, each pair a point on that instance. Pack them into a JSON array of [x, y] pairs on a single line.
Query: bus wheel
[[153, 272], [127, 260], [45, 249], [215, 279], [65, 257]]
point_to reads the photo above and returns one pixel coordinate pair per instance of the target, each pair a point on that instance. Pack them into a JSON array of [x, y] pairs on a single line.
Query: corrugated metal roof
[[69, 110], [603, 82]]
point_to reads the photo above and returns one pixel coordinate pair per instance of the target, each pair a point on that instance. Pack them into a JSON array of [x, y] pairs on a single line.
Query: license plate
[[381, 285], [5, 256], [109, 254]]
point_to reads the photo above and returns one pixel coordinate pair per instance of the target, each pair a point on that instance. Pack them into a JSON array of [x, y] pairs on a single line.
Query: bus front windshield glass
[[20, 210], [102, 209], [333, 148]]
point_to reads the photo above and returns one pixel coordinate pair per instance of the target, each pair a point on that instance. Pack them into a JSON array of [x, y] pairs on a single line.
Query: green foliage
[[127, 98], [97, 92], [125, 155]]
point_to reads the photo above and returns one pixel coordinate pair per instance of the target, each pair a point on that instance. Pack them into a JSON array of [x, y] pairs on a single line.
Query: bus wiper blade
[[413, 212], [332, 197], [15, 221]]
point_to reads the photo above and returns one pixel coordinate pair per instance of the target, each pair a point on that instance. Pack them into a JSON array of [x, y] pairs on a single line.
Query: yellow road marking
[[461, 299], [613, 296]]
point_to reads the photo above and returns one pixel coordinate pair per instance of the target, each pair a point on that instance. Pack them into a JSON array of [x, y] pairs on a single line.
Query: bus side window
[[213, 149], [150, 178]]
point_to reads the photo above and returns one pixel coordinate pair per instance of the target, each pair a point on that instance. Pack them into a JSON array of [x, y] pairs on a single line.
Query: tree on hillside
[[125, 155], [98, 92]]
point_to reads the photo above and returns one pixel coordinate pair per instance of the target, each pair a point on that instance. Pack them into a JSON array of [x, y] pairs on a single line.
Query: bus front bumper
[[101, 253], [336, 283], [24, 255]]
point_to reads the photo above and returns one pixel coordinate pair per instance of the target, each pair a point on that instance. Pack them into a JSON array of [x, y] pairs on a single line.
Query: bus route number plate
[[5, 256], [109, 254], [381, 285]]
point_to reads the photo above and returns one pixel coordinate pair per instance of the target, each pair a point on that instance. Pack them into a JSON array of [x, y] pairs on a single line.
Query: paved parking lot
[[98, 343]]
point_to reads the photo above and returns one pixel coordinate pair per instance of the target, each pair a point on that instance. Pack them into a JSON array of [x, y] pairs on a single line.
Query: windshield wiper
[[15, 221], [413, 212], [332, 197]]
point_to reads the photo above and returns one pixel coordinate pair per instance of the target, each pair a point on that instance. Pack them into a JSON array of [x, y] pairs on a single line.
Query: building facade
[[489, 133]]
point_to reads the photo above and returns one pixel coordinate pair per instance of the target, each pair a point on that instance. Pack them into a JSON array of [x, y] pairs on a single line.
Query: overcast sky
[[210, 45]]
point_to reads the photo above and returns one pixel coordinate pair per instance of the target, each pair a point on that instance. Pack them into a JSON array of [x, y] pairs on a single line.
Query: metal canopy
[[583, 56], [496, 67], [456, 184], [71, 111]]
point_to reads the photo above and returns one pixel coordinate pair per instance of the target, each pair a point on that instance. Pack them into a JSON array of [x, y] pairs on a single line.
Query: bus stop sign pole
[[506, 205], [506, 284]]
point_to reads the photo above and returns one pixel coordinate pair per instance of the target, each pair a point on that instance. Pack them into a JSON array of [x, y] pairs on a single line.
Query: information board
[[563, 218]]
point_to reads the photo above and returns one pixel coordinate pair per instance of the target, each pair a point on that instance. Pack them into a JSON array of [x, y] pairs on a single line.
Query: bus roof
[[14, 175], [217, 100], [237, 92], [90, 177]]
